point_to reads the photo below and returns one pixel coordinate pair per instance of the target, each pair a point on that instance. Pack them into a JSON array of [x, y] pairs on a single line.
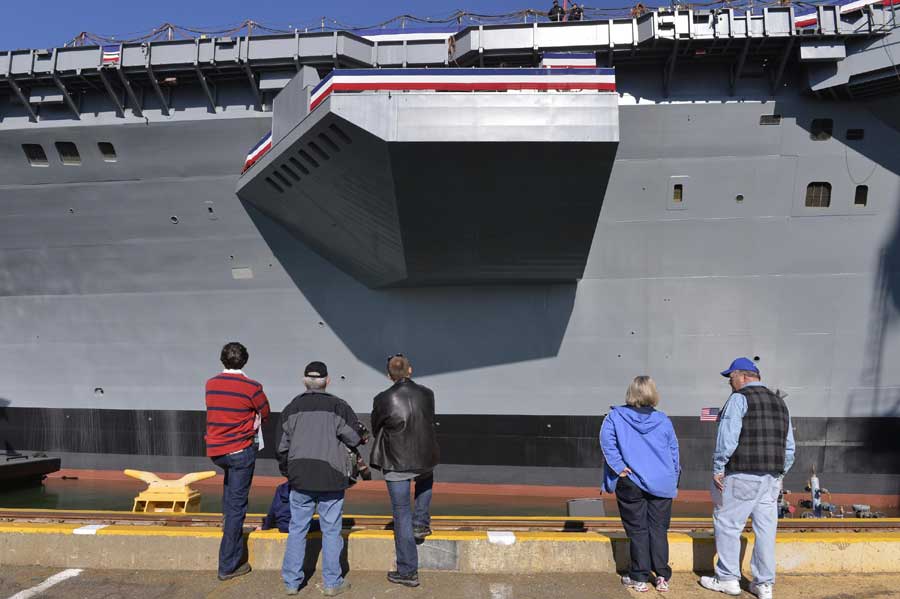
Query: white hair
[[315, 383]]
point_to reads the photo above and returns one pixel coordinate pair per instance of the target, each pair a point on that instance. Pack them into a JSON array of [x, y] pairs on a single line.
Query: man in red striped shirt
[[236, 407]]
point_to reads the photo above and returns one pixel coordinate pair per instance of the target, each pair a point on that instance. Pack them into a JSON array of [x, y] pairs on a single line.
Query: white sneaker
[[729, 587], [634, 585], [763, 590], [662, 585]]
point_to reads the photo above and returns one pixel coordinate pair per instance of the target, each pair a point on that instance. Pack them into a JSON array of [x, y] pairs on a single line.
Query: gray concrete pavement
[[122, 584]]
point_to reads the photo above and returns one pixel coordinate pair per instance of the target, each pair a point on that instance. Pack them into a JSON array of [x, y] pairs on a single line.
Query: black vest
[[763, 433]]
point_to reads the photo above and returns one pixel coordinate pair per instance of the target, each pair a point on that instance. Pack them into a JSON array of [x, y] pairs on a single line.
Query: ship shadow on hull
[[873, 409], [442, 329], [879, 454]]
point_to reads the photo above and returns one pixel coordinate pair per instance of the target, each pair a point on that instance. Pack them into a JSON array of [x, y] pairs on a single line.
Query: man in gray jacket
[[316, 429]]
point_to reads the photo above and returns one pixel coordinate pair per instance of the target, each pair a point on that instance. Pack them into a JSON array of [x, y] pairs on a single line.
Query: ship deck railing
[[266, 63]]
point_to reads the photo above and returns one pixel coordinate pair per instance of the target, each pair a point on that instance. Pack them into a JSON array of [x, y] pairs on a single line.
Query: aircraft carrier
[[531, 247]]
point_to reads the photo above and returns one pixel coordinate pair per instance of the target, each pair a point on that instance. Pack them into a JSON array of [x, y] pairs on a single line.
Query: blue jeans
[[303, 504], [238, 469], [405, 518]]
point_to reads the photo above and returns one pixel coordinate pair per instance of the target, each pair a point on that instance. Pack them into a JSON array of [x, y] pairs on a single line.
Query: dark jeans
[[238, 469], [646, 519], [406, 518]]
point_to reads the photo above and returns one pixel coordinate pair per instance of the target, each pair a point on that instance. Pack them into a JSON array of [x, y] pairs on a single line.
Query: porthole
[[35, 155], [107, 150], [821, 129], [68, 153], [818, 194]]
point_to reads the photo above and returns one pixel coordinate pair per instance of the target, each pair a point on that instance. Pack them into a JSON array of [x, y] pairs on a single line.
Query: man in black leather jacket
[[405, 449]]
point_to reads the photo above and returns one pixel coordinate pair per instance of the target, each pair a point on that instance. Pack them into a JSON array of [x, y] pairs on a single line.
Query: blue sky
[[50, 23]]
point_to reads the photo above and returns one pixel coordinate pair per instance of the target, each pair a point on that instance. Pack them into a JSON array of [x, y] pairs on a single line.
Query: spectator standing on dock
[[279, 515], [576, 13], [316, 430], [556, 13], [236, 407], [406, 450], [754, 448], [642, 469]]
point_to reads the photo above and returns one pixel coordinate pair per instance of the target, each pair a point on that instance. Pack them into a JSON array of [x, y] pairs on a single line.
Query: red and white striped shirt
[[232, 403]]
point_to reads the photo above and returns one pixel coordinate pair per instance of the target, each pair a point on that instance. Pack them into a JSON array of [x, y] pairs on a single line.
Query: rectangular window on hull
[[68, 153], [862, 195], [107, 150], [770, 119], [678, 193], [821, 129], [35, 155], [818, 194]]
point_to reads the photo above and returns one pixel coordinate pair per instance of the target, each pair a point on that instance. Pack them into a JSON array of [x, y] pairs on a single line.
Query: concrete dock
[[438, 585], [195, 548]]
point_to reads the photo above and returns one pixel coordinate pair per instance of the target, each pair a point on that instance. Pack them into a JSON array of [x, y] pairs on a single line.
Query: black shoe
[[241, 570], [420, 532], [407, 580]]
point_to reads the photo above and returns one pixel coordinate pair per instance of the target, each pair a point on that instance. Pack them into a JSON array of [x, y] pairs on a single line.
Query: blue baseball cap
[[741, 364]]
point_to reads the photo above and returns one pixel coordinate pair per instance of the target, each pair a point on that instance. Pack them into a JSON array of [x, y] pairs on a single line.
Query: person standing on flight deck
[[556, 13], [236, 407], [576, 13], [754, 449]]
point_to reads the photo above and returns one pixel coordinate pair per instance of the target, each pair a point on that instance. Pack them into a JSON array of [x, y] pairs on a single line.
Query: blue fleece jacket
[[643, 440]]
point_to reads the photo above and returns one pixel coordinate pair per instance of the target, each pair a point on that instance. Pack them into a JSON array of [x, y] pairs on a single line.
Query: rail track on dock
[[440, 523]]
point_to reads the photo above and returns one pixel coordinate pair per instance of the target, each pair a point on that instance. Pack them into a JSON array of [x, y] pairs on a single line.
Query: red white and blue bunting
[[258, 151], [469, 80]]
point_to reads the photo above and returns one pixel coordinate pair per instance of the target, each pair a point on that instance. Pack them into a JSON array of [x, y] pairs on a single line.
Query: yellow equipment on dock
[[172, 496]]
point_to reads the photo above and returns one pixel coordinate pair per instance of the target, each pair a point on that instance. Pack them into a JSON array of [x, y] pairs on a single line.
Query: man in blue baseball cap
[[754, 448]]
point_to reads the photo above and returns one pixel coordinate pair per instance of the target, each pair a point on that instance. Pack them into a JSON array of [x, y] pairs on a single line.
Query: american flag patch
[[709, 414], [112, 54]]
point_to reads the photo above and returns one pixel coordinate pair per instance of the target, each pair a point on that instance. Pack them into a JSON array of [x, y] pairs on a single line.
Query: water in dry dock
[[371, 499], [111, 491]]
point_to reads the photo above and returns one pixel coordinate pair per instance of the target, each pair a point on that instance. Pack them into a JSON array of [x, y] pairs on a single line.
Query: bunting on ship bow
[[444, 176]]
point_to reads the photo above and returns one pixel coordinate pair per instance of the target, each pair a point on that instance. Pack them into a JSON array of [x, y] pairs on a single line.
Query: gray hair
[[315, 383]]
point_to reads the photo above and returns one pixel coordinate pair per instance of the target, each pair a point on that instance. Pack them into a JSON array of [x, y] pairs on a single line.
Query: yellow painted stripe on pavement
[[161, 531]]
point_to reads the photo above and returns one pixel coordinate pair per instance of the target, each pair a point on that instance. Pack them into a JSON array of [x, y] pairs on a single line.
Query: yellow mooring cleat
[[172, 496]]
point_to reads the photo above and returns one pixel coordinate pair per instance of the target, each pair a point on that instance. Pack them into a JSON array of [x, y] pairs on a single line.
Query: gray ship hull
[[119, 282]]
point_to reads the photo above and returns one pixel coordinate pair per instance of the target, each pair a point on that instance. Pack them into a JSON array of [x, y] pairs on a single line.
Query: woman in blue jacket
[[642, 469]]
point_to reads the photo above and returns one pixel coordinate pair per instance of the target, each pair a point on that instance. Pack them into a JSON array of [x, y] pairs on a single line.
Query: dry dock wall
[[196, 548]]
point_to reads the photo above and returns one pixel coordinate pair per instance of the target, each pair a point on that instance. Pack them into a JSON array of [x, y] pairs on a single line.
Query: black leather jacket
[[403, 429]]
